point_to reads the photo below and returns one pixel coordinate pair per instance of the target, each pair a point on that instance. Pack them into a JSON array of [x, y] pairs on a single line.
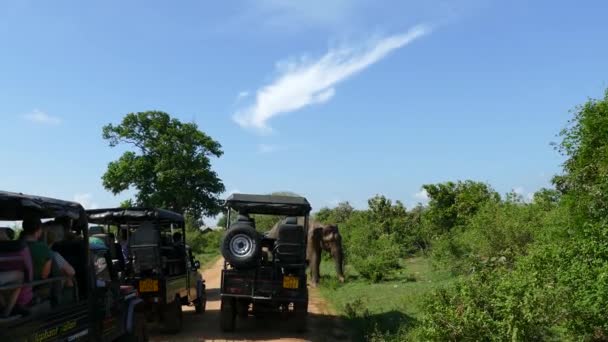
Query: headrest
[[291, 220]]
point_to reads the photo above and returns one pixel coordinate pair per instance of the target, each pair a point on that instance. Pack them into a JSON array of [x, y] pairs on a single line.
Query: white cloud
[[304, 82], [422, 195], [519, 190], [86, 200], [40, 117]]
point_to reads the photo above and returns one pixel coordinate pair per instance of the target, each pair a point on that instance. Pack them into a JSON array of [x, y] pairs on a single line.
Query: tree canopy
[[169, 165]]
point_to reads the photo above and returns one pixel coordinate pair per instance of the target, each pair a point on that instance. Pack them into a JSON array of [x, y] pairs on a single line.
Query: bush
[[557, 291], [374, 253], [498, 234]]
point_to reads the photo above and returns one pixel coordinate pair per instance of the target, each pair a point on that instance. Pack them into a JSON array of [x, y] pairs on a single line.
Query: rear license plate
[[148, 285], [290, 282]]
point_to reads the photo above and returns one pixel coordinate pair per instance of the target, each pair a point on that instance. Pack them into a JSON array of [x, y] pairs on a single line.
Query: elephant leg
[[315, 262], [338, 256]]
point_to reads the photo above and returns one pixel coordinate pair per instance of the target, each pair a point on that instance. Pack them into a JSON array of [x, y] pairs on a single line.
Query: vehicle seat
[[290, 243], [144, 246]]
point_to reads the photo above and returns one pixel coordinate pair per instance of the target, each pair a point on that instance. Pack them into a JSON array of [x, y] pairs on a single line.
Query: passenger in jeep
[[64, 268], [40, 252], [9, 277], [16, 271]]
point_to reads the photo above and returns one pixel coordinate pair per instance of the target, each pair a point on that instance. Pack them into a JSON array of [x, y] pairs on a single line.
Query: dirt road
[[323, 325]]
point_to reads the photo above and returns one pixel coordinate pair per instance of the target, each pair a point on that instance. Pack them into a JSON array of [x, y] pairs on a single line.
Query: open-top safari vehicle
[[263, 273], [91, 305], [153, 257]]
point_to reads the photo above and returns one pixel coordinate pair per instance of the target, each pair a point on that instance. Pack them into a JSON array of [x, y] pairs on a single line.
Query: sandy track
[[323, 325]]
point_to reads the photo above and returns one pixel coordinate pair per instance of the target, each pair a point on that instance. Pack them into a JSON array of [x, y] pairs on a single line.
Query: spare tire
[[241, 246]]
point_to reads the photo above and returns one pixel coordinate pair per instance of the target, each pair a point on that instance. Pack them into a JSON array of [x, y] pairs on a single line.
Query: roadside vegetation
[[476, 265]]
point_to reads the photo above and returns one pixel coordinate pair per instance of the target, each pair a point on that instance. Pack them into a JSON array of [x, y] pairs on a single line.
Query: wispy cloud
[[40, 117], [422, 196], [86, 200], [304, 82]]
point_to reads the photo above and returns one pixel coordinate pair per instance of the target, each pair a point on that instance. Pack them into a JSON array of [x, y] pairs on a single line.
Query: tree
[[343, 212], [453, 204], [340, 214], [170, 167], [585, 144]]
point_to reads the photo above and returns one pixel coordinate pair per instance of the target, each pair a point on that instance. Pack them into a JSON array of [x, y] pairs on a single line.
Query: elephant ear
[[317, 233]]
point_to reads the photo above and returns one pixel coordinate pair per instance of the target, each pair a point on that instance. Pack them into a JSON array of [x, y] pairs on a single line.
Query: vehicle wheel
[[300, 316], [228, 314], [140, 330], [172, 316], [241, 246]]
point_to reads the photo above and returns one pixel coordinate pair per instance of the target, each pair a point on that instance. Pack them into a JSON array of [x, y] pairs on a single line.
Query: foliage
[[453, 204], [497, 234], [340, 214], [171, 166], [371, 237], [585, 144], [527, 270], [204, 245], [553, 286]]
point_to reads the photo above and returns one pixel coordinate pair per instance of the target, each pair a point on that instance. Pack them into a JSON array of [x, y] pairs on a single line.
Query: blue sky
[[336, 100]]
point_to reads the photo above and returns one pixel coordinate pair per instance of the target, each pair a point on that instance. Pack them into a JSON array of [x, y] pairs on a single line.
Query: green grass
[[206, 259], [384, 306]]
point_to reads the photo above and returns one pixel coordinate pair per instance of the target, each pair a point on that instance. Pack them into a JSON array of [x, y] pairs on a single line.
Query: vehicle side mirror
[[197, 264]]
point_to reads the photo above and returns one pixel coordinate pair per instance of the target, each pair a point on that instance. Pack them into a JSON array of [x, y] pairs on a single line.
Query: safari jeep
[[90, 306], [263, 274], [151, 254]]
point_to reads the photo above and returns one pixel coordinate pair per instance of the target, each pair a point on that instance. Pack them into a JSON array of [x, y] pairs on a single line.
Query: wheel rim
[[241, 246]]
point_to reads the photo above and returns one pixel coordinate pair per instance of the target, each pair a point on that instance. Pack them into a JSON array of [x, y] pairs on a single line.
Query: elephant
[[321, 237], [324, 237]]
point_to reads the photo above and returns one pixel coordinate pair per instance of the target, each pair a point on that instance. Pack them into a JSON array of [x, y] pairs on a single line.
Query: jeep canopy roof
[[133, 214], [269, 204], [17, 206]]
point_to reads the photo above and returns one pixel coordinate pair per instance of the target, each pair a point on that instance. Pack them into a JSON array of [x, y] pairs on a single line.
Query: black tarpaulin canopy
[[134, 214], [16, 206], [269, 204]]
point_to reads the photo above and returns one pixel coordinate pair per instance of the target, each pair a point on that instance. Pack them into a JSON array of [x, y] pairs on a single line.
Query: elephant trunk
[[338, 256]]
